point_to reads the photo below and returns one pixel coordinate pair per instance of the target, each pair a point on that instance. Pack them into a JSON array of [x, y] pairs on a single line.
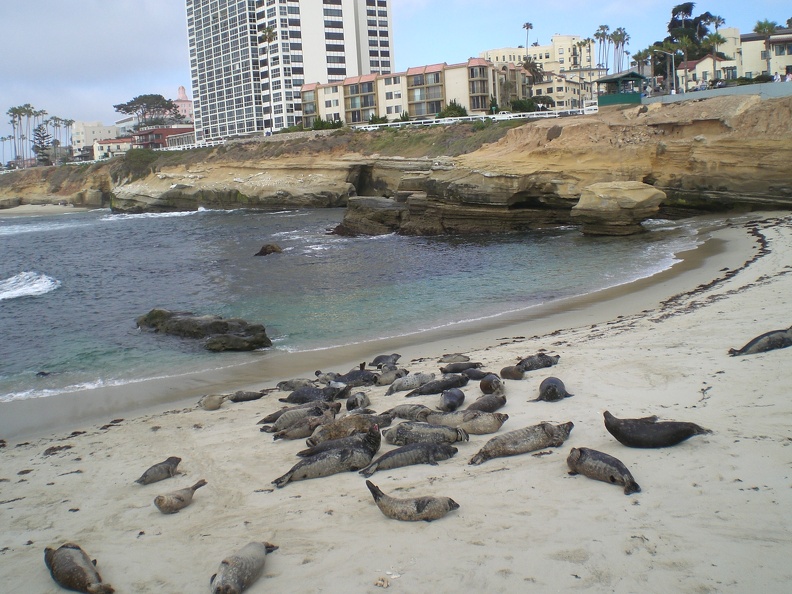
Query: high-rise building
[[250, 58]]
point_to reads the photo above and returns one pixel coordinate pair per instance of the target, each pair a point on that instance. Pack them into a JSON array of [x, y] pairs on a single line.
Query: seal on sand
[[413, 509], [512, 372], [538, 361], [488, 403], [72, 568], [410, 382], [649, 433], [419, 432], [522, 441], [474, 422], [413, 453], [491, 384], [371, 439], [451, 399], [238, 571], [552, 389], [460, 367], [775, 339], [159, 471], [602, 467], [381, 360], [452, 380], [172, 502]]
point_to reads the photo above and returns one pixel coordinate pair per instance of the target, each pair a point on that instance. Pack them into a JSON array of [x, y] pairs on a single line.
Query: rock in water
[[72, 568]]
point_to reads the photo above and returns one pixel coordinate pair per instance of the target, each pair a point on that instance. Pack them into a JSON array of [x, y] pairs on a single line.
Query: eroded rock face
[[616, 208], [219, 334]]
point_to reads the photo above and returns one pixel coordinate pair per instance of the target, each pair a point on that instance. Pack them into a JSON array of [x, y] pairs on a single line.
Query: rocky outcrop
[[218, 334], [616, 208]]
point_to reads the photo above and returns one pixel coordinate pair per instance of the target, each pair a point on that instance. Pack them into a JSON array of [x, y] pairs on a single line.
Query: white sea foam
[[27, 284]]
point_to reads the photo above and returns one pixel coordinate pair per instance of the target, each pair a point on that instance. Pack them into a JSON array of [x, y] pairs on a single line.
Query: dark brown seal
[[413, 509], [775, 339], [238, 571], [602, 467], [488, 403], [552, 389], [649, 433], [538, 361], [72, 568], [451, 399], [491, 384], [160, 471]]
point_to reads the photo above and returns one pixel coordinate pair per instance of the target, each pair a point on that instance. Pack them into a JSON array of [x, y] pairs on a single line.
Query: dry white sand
[[713, 514]]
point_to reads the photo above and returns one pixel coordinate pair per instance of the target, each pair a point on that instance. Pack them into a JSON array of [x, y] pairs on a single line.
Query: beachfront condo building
[[249, 59]]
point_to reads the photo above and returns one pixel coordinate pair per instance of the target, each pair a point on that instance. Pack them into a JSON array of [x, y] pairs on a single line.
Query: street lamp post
[[673, 67]]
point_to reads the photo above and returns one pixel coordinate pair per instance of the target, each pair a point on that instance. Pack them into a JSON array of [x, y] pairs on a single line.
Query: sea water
[[72, 285]]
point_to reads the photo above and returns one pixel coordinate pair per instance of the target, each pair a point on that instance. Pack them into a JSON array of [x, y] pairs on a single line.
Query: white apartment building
[[84, 134], [243, 84], [752, 57]]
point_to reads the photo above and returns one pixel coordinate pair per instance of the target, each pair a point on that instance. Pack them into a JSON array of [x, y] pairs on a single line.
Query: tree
[[602, 35], [267, 36], [42, 143], [150, 109], [620, 39], [522, 105], [533, 70], [640, 58], [766, 28], [718, 21], [453, 110], [681, 23], [789, 23], [712, 41], [527, 27], [686, 44]]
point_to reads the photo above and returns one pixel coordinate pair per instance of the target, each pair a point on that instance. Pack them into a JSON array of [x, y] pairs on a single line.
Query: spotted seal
[[602, 467], [522, 441], [357, 401], [332, 461], [420, 432], [324, 405], [312, 393], [346, 426], [388, 376], [775, 339], [453, 358], [474, 422], [412, 509], [647, 432], [412, 453], [355, 440], [238, 571], [292, 384], [552, 389], [538, 361], [410, 412], [410, 382], [172, 502], [73, 569], [451, 399], [451, 380], [159, 471], [289, 418], [460, 367], [305, 426], [381, 360]]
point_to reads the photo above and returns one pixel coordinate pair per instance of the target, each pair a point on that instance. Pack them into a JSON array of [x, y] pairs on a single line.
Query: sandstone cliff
[[719, 154]]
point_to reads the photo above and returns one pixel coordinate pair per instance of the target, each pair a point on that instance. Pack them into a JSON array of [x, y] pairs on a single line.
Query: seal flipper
[[420, 504], [375, 491]]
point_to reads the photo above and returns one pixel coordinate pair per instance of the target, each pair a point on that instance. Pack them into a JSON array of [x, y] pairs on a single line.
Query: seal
[[238, 571], [332, 461], [356, 378], [289, 418], [410, 412], [552, 389], [451, 399], [305, 426], [491, 384], [245, 396], [488, 403], [775, 339], [212, 401], [346, 426], [380, 360], [474, 422], [413, 509], [649, 433], [159, 471], [388, 376], [419, 432], [72, 568], [452, 380], [602, 467], [272, 417], [453, 358], [312, 393], [522, 441], [357, 401], [476, 374], [293, 384], [538, 361], [460, 367], [409, 382], [172, 502], [355, 440], [412, 453], [512, 372]]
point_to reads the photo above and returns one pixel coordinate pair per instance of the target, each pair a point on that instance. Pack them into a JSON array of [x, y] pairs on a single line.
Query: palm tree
[[67, 124], [601, 35], [527, 27], [712, 41], [640, 58], [718, 21], [533, 70], [686, 44], [267, 36], [620, 39], [766, 28]]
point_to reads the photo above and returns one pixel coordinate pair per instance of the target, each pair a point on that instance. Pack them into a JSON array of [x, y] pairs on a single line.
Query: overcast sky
[[77, 58]]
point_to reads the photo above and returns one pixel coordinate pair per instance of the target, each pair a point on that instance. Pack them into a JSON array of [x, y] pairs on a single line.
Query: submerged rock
[[231, 334]]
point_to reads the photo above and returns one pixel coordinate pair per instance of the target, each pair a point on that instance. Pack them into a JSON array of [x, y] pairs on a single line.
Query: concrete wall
[[764, 90]]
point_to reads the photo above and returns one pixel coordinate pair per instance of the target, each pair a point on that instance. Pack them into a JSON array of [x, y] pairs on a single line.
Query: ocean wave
[[27, 227], [27, 284]]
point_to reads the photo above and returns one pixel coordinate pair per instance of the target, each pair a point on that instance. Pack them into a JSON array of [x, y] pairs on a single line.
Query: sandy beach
[[28, 210], [712, 515]]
